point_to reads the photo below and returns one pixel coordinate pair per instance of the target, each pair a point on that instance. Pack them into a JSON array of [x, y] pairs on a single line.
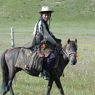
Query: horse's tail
[[5, 74]]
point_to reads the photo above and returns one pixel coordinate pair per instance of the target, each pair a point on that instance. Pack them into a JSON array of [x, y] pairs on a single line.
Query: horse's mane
[[64, 47]]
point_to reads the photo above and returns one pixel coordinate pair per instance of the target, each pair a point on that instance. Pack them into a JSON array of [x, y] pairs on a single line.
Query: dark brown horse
[[9, 58]]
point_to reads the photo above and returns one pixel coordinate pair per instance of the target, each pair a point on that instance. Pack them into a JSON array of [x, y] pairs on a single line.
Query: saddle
[[45, 51]]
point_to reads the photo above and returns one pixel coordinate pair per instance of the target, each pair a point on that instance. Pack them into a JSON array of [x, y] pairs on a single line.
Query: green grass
[[71, 19], [64, 9], [79, 79]]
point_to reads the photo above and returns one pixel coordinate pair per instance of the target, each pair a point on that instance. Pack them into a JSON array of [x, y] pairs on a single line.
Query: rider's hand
[[59, 45]]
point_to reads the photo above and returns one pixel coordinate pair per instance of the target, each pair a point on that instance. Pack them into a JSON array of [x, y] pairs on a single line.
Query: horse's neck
[[62, 64], [64, 53], [65, 58]]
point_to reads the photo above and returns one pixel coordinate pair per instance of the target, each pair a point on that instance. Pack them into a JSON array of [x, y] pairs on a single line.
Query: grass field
[[71, 19], [79, 79]]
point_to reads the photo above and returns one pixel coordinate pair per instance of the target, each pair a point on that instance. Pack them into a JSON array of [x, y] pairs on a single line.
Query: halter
[[68, 54]]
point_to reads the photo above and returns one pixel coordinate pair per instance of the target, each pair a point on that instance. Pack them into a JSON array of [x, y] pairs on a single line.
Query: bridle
[[68, 54]]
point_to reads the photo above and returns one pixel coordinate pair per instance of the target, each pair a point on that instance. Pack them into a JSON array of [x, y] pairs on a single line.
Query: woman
[[43, 33]]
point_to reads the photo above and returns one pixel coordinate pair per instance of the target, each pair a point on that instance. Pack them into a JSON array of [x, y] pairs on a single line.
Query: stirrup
[[46, 78], [27, 67], [41, 74]]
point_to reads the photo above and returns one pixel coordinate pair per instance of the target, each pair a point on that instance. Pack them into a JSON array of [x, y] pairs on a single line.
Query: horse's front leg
[[50, 82], [59, 85]]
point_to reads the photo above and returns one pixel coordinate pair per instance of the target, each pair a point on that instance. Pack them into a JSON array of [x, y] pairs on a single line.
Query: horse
[[68, 54]]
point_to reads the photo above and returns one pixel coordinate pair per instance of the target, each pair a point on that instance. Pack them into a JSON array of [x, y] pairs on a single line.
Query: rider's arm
[[45, 33], [34, 32]]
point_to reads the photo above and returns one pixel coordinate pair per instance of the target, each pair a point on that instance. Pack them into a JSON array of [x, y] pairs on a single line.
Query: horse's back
[[12, 53]]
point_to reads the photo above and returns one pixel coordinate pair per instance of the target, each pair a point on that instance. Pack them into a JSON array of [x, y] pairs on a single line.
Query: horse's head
[[70, 51]]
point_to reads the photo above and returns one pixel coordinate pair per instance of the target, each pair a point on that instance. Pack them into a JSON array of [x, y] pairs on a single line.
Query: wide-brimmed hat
[[45, 9]]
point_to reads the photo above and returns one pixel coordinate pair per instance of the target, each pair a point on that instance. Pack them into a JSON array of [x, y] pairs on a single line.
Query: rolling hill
[[64, 9]]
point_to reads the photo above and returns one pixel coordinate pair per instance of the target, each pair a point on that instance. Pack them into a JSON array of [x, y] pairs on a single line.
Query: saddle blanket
[[27, 58]]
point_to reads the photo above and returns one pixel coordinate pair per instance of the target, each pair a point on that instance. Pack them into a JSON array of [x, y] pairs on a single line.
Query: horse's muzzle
[[73, 60]]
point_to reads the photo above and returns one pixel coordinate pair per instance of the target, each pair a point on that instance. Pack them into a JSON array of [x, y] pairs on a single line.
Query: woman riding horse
[[42, 33], [10, 57]]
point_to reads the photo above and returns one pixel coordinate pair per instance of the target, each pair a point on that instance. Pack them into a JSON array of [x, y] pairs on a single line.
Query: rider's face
[[46, 16]]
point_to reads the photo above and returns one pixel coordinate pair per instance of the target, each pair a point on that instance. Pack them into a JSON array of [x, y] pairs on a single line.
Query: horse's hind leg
[[5, 75], [5, 80], [11, 89], [10, 83], [5, 88]]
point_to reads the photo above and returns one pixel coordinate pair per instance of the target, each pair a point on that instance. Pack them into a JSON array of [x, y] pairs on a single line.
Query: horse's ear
[[75, 40], [68, 40]]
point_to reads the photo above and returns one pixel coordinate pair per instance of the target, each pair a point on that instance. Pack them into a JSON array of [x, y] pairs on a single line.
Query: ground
[[71, 19]]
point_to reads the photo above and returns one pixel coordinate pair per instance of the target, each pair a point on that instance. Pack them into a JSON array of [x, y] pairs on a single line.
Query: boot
[[44, 74]]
